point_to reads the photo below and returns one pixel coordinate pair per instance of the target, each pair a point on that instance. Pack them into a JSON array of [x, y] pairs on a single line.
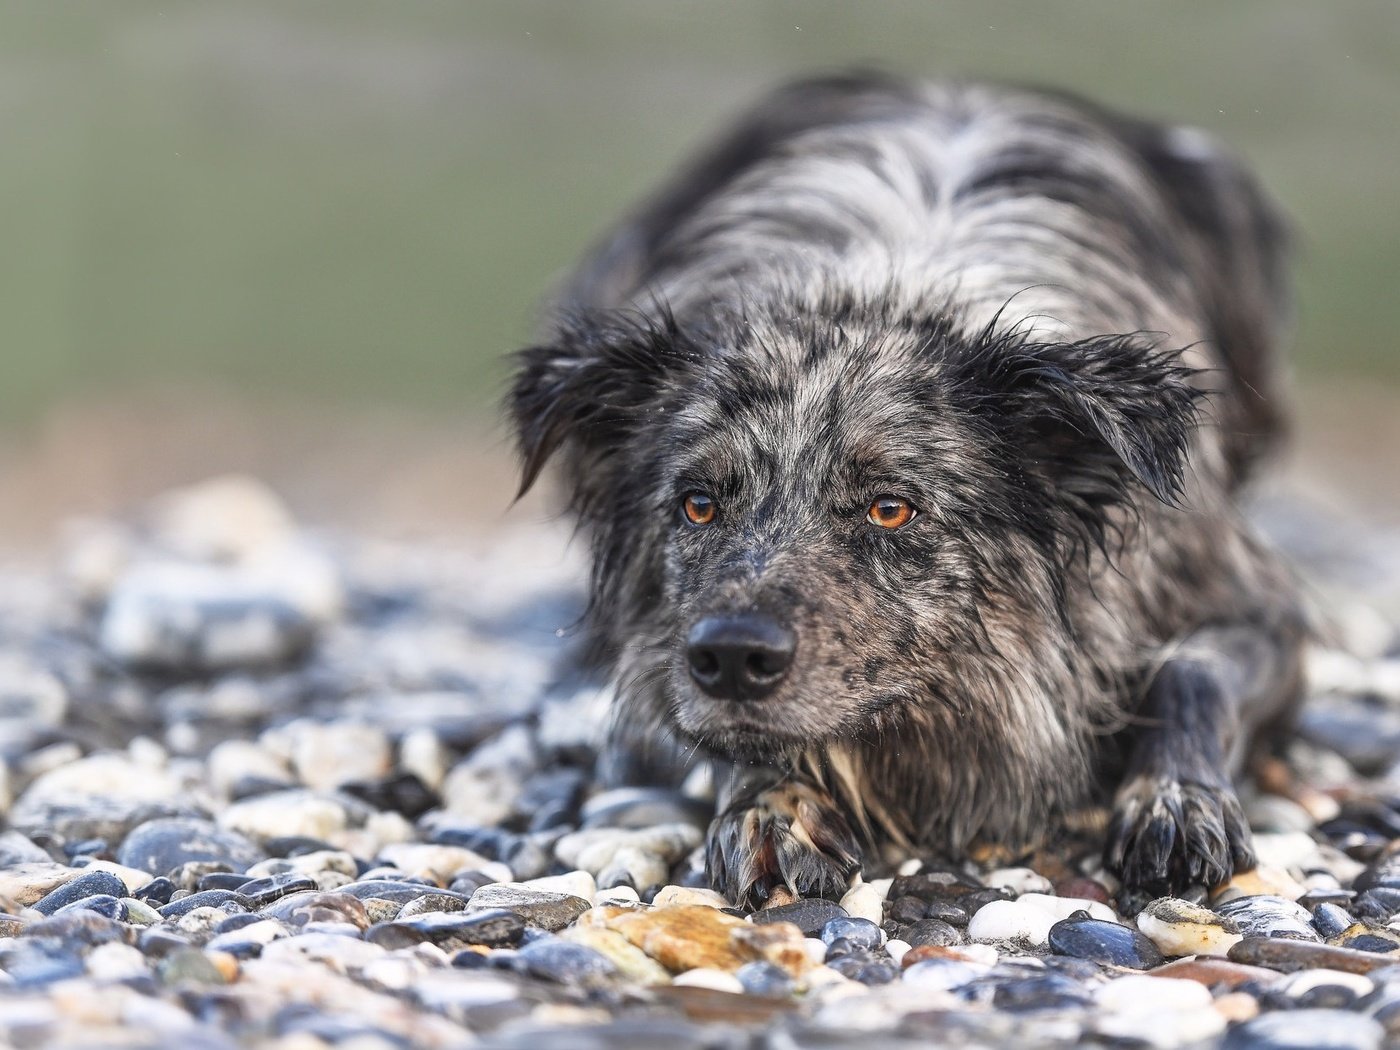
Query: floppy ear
[[1238, 258], [1098, 417], [590, 387]]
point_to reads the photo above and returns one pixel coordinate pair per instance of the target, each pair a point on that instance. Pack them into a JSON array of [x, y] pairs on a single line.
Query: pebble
[[864, 901], [1178, 927], [566, 962], [1104, 942], [765, 980], [715, 980], [1287, 954], [1134, 992], [190, 617], [672, 895], [295, 813], [1306, 1030], [857, 932], [76, 890], [161, 846], [1004, 921], [810, 915], [1269, 916], [631, 962], [542, 908]]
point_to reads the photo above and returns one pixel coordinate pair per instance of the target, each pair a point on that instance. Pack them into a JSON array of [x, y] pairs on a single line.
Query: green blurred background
[[358, 204]]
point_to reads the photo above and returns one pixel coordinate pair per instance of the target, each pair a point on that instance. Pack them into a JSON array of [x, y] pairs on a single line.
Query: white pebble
[[1019, 881], [816, 950], [912, 866], [999, 921], [578, 883], [882, 887], [707, 977], [1138, 992], [1064, 907], [673, 895], [1162, 1029], [622, 895], [863, 902], [1298, 984], [896, 949], [115, 961]]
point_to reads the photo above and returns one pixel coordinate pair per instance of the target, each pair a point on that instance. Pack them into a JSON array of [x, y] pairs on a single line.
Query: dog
[[907, 424]]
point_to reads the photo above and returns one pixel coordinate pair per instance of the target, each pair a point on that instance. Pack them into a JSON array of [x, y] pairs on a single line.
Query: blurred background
[[298, 238]]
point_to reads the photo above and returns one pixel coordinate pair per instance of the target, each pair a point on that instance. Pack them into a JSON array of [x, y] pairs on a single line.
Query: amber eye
[[699, 509], [890, 512]]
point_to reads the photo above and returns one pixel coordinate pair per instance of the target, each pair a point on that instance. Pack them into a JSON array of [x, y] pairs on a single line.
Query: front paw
[[791, 835], [1168, 834]]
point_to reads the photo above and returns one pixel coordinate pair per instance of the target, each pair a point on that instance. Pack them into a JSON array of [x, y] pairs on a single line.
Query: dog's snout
[[739, 657]]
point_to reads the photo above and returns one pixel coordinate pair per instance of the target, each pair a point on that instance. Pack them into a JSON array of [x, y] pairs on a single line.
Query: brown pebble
[[779, 897], [1237, 1006], [920, 952], [1081, 887], [1278, 953], [1214, 972]]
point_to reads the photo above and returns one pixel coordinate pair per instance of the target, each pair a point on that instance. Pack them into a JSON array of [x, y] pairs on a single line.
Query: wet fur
[[1051, 328]]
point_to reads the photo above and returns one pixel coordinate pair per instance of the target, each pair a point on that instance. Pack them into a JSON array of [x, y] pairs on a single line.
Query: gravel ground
[[265, 787]]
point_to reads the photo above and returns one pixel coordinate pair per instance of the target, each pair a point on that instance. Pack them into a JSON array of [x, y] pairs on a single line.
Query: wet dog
[[906, 424]]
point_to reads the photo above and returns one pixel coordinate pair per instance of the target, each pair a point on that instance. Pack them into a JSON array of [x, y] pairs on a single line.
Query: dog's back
[[975, 198]]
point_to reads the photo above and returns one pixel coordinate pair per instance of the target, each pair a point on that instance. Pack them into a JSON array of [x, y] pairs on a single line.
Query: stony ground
[[269, 788]]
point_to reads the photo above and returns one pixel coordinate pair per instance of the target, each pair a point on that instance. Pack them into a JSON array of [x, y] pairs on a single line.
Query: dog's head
[[805, 525]]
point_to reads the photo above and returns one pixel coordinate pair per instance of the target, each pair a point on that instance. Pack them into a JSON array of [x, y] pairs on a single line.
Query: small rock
[[1306, 1030], [716, 980], [574, 883], [294, 813], [1287, 955], [631, 962], [188, 617], [860, 933], [1002, 920], [549, 911], [668, 896], [1019, 881], [160, 846], [1269, 916], [809, 915], [1135, 992], [566, 962], [90, 884], [765, 980], [1104, 942], [1180, 928], [863, 901]]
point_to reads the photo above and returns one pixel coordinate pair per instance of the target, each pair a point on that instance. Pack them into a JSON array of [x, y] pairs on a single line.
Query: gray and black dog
[[906, 424]]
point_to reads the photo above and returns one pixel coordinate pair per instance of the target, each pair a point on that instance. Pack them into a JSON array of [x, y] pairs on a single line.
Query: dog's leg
[[780, 830], [1177, 820]]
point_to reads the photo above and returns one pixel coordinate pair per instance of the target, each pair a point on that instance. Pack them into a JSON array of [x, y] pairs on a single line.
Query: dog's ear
[[1097, 416], [1238, 248], [591, 385]]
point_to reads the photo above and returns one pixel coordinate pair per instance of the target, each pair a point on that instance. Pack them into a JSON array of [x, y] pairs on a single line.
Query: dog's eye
[[890, 512], [698, 508]]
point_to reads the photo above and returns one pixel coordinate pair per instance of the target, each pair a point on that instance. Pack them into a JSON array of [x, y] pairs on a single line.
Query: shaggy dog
[[906, 424]]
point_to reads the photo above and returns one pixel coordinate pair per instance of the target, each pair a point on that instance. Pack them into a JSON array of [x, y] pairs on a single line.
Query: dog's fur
[[1054, 331]]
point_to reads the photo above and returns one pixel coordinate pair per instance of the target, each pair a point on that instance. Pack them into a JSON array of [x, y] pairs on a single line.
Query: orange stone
[[1214, 972], [688, 936]]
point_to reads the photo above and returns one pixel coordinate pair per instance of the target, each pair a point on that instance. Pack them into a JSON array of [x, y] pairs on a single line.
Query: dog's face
[[804, 527]]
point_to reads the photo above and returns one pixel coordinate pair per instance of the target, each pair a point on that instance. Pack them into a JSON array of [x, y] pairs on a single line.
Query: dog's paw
[[790, 835], [1168, 834]]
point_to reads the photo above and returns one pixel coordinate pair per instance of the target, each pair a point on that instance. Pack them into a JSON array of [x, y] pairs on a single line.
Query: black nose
[[739, 657]]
